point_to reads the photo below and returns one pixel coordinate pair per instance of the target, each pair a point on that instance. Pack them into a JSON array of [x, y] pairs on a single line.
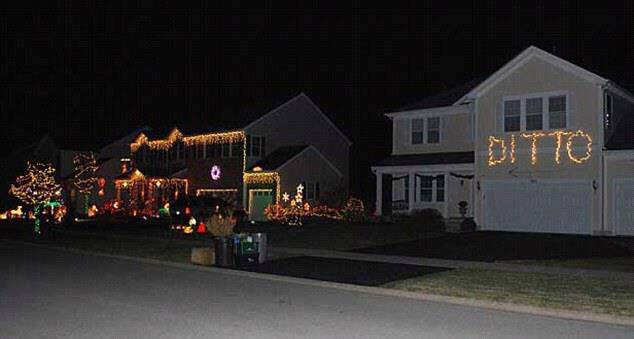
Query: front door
[[259, 200]]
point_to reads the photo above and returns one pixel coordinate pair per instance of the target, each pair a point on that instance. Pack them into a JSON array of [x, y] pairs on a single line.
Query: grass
[[576, 293], [343, 237], [619, 264]]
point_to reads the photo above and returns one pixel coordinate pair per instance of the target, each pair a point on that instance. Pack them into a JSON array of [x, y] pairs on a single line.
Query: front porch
[[405, 189]]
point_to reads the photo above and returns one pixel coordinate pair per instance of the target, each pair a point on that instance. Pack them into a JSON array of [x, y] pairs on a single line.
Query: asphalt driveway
[[496, 246]]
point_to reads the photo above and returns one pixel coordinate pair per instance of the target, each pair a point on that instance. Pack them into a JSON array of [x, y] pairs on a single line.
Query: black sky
[[88, 73]]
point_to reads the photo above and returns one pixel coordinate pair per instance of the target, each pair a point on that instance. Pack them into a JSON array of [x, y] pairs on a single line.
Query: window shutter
[[408, 131], [262, 146], [317, 191], [305, 190]]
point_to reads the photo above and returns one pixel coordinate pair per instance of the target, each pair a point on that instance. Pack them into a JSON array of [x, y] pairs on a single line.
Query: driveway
[[495, 246], [56, 294]]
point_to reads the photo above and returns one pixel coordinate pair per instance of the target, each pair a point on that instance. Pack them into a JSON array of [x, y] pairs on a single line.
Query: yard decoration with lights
[[85, 180]]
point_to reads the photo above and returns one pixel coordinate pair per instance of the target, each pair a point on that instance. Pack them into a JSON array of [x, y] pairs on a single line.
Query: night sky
[[86, 73]]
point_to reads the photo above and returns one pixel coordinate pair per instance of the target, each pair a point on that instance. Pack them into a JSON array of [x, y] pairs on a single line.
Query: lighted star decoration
[[300, 188], [285, 197]]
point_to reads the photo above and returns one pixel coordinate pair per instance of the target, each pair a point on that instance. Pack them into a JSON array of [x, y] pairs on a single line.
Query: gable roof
[[298, 98], [279, 157], [285, 155], [526, 55], [444, 98]]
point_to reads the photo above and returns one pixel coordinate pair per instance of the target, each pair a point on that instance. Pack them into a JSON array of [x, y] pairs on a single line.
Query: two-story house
[[541, 145], [249, 165]]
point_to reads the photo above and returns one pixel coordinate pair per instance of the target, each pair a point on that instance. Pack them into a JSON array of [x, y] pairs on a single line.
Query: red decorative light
[[201, 228]]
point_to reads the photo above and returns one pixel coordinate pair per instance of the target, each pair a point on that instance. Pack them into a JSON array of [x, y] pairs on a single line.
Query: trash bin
[[262, 244], [224, 251]]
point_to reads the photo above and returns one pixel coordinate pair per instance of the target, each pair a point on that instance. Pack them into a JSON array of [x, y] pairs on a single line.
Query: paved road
[[55, 294]]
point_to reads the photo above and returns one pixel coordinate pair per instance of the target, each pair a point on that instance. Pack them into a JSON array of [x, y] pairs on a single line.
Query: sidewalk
[[286, 252]]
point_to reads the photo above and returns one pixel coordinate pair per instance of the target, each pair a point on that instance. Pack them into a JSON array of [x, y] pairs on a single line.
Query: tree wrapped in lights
[[37, 186], [85, 179]]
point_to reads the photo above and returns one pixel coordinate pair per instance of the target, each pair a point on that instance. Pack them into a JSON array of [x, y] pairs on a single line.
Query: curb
[[498, 306]]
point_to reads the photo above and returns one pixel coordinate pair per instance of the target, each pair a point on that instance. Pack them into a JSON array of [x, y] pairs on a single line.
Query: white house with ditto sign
[[541, 145]]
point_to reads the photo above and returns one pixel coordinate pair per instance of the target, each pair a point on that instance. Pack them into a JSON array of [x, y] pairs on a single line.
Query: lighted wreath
[[215, 172]]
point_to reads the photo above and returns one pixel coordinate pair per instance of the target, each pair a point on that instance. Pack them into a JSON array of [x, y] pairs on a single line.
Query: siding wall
[[456, 135], [585, 110], [299, 123]]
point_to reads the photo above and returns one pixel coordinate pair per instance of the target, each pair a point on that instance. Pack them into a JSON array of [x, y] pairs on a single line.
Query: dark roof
[[623, 136], [444, 98], [279, 157], [428, 159], [223, 121]]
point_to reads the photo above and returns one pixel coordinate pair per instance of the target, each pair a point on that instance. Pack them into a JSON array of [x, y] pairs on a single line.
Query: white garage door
[[624, 206], [540, 206]]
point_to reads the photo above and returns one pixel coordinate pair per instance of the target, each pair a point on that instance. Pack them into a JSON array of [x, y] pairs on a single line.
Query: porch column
[[379, 193], [412, 192]]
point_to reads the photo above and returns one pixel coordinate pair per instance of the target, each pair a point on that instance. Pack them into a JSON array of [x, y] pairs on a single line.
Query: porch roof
[[428, 159]]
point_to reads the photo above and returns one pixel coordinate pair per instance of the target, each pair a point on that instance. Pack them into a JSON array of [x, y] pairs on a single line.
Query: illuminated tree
[[85, 179], [37, 186]]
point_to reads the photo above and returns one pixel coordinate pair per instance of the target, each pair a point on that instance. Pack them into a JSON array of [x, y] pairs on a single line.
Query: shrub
[[431, 218], [468, 225]]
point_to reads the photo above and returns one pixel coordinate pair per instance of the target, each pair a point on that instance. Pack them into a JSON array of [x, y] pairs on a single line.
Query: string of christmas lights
[[37, 186]]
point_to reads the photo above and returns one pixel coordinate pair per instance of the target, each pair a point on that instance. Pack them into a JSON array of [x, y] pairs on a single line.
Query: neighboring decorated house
[[249, 163], [111, 160], [541, 145]]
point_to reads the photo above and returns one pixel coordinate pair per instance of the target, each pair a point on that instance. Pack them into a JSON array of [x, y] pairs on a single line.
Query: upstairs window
[[425, 130], [226, 150], [255, 146], [418, 131], [200, 150], [512, 115], [557, 112], [534, 114], [433, 130], [236, 149]]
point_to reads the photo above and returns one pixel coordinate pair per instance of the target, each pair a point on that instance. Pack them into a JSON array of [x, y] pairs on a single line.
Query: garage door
[[538, 206], [624, 206]]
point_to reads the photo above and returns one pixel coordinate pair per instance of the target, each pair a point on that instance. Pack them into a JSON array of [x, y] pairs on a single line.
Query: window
[[226, 150], [236, 149], [512, 115], [440, 188], [608, 110], [421, 135], [400, 188], [200, 149], [534, 114], [557, 112], [311, 190], [418, 131], [433, 130], [431, 188], [426, 188], [191, 152], [181, 150]]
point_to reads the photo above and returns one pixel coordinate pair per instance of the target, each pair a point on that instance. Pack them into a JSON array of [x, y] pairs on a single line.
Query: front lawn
[[576, 293], [341, 236], [619, 264]]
